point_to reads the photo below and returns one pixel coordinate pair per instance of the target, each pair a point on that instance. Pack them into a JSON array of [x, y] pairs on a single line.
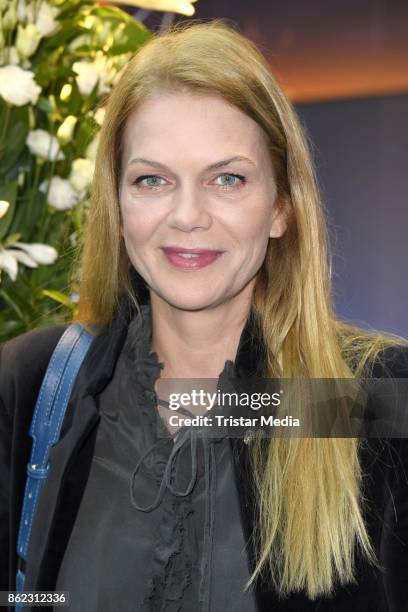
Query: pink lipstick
[[190, 259]]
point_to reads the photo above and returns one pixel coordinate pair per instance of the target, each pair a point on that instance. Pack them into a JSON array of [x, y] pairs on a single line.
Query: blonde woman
[[205, 254]]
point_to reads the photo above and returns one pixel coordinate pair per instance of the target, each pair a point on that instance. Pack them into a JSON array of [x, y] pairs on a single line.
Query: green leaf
[[13, 143], [48, 73], [16, 303], [75, 99], [87, 130], [45, 105], [110, 13], [10, 239], [57, 296], [91, 101], [132, 37], [69, 31], [17, 136], [8, 192], [16, 140]]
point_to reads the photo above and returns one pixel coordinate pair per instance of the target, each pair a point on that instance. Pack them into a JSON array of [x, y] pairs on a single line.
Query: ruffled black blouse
[[159, 526]]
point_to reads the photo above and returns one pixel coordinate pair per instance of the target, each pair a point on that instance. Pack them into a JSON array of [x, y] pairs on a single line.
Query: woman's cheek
[[251, 224]]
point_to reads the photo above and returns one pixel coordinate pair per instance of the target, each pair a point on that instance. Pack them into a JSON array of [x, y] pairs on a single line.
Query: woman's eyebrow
[[218, 164]]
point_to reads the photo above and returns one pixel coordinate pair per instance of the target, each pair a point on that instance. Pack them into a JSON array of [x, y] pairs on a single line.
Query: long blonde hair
[[308, 491]]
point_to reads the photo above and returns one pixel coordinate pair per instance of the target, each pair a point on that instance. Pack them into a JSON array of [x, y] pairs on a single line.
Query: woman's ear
[[278, 227]]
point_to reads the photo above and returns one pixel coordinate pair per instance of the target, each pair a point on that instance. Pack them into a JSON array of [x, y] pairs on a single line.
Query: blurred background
[[344, 66]]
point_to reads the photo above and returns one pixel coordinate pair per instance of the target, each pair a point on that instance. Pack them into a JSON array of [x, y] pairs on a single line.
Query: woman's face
[[196, 178]]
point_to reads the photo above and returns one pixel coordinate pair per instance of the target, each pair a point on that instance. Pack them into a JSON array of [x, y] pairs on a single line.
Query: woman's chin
[[189, 302]]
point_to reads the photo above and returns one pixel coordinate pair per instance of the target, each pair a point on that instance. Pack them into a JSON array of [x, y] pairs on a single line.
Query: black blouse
[[158, 527]]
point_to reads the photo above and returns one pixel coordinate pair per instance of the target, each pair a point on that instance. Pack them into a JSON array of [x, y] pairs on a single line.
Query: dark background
[[344, 64]]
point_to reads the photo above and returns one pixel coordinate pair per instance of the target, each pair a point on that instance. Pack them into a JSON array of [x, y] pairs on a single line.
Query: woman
[[205, 256]]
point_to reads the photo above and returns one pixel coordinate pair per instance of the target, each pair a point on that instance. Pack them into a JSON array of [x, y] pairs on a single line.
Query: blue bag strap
[[46, 425]]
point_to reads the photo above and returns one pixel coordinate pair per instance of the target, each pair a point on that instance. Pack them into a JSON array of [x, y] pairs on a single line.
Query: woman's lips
[[190, 259]]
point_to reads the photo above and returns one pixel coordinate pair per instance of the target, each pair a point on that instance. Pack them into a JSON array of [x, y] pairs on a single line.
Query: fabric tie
[[188, 436]]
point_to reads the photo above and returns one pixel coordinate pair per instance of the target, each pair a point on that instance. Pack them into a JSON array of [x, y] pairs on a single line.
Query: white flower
[[9, 55], [21, 177], [44, 145], [183, 7], [4, 206], [46, 24], [92, 147], [42, 15], [78, 41], [27, 40], [28, 254], [40, 253], [81, 173], [21, 11], [66, 129], [87, 76], [17, 86], [99, 115], [100, 71], [103, 32], [24, 258], [73, 238], [8, 263], [26, 11], [61, 194], [14, 58]]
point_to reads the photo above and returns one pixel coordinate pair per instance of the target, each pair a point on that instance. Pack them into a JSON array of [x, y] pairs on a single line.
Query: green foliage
[[47, 206]]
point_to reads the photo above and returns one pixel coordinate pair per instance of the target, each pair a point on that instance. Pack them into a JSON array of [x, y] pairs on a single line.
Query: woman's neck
[[196, 344]]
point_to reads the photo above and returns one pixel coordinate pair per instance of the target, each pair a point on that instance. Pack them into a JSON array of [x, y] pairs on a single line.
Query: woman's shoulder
[[24, 359], [391, 361], [372, 353], [31, 345], [392, 451]]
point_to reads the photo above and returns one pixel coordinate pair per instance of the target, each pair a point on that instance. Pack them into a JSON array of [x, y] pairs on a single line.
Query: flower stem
[[29, 220], [5, 124], [45, 215]]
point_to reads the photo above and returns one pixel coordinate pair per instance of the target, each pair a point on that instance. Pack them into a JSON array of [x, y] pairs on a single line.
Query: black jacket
[[23, 363]]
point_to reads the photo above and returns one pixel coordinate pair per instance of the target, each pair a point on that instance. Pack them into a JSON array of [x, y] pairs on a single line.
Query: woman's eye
[[232, 180], [148, 177], [152, 181]]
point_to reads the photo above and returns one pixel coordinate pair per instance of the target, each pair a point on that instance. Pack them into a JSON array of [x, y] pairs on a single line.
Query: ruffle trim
[[172, 564], [146, 365]]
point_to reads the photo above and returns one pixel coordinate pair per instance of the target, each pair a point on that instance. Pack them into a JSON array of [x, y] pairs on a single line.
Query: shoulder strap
[[46, 425]]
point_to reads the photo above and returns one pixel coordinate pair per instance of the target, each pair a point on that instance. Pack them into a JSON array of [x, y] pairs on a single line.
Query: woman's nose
[[189, 210]]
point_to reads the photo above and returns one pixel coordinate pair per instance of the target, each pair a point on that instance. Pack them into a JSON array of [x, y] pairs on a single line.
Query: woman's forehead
[[184, 105], [173, 125]]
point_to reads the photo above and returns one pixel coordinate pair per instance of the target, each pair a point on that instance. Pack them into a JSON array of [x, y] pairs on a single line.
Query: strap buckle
[[35, 471]]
